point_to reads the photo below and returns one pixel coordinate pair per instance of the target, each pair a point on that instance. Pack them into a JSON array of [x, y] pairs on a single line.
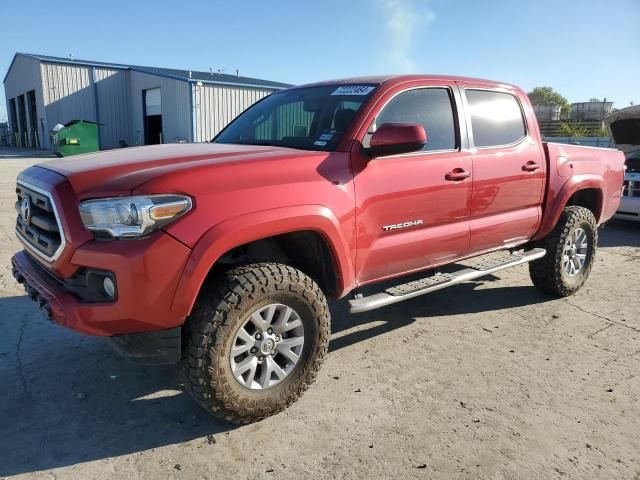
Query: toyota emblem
[[25, 210]]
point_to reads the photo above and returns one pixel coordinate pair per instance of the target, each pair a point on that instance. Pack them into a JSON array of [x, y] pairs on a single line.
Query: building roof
[[186, 75]]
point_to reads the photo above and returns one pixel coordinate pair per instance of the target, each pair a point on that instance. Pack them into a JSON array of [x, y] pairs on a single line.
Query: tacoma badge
[[399, 226]]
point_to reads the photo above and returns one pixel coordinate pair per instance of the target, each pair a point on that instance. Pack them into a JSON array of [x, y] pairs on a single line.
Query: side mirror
[[395, 138]]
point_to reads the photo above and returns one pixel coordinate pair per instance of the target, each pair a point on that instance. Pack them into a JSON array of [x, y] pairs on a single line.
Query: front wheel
[[257, 337], [571, 248]]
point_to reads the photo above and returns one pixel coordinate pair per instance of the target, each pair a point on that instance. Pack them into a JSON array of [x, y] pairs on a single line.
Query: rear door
[[509, 168], [411, 213]]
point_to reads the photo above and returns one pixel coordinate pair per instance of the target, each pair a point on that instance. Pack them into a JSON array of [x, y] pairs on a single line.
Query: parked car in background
[[624, 126], [222, 255]]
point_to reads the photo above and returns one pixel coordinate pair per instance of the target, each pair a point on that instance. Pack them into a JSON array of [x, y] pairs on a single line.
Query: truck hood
[[118, 172], [624, 126]]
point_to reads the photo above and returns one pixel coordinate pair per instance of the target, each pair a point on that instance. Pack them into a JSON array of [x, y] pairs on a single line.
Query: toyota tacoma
[[222, 255]]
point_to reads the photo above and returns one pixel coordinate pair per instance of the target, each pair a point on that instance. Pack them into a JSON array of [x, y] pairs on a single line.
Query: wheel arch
[[306, 223], [590, 198], [580, 190]]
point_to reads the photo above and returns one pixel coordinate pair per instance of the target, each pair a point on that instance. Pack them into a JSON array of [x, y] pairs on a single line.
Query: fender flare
[[574, 184], [255, 226]]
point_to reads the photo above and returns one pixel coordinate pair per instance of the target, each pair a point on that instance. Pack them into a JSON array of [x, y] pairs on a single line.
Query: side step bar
[[478, 267]]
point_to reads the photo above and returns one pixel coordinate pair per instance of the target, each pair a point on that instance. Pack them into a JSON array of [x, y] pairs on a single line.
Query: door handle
[[457, 174], [531, 166]]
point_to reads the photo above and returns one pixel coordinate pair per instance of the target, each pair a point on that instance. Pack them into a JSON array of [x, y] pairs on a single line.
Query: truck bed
[[600, 169]]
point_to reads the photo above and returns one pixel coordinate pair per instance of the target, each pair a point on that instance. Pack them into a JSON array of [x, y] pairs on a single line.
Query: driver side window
[[430, 107]]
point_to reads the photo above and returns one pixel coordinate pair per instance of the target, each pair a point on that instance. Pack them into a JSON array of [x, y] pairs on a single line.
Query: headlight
[[130, 217]]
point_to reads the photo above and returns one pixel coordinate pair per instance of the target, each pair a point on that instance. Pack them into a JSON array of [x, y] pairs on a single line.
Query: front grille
[[41, 228]]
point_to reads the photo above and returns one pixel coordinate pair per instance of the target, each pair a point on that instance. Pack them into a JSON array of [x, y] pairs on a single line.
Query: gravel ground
[[484, 380]]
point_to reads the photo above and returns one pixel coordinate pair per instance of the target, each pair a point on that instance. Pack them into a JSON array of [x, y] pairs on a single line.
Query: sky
[[581, 48]]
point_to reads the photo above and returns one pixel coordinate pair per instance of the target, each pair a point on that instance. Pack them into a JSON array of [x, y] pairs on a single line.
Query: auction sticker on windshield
[[353, 90]]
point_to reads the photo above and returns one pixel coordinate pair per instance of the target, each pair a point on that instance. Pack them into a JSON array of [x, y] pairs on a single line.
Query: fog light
[[109, 287]]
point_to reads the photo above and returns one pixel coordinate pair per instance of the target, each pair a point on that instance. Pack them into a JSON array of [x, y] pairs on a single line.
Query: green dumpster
[[75, 137]]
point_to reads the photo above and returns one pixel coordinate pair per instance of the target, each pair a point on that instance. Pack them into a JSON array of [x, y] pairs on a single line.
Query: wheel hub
[[267, 346], [574, 253]]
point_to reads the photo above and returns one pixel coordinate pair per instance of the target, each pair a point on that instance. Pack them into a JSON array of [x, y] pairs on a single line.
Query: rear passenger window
[[429, 107], [496, 118]]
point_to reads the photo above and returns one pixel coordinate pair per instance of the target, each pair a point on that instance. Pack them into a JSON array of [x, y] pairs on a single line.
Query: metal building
[[134, 105], [4, 134], [547, 113], [590, 111]]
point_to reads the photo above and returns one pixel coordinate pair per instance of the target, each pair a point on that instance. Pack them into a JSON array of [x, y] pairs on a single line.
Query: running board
[[478, 267]]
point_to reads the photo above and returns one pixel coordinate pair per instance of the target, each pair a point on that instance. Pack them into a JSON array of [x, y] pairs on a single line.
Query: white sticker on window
[[325, 137], [353, 90], [319, 143]]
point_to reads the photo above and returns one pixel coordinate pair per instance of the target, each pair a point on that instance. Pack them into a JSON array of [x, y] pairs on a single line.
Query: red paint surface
[[398, 134], [147, 273], [469, 201]]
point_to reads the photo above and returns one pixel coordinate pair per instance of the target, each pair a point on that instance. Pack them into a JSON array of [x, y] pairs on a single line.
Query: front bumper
[[146, 271]]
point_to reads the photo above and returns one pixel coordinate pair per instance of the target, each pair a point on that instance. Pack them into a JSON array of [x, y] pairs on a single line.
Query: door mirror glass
[[396, 138]]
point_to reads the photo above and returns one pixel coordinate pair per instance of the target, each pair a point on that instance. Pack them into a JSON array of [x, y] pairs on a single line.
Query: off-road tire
[[548, 273], [223, 304]]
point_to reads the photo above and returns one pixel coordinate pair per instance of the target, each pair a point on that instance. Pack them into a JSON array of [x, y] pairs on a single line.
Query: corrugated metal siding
[[215, 106], [68, 93], [4, 134], [113, 106], [23, 77], [176, 110], [286, 120]]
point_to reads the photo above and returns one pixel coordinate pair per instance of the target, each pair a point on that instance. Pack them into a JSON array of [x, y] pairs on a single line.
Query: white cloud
[[404, 19]]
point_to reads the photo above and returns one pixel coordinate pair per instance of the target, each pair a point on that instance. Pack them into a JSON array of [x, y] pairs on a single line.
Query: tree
[[598, 132], [573, 129], [594, 99], [548, 96]]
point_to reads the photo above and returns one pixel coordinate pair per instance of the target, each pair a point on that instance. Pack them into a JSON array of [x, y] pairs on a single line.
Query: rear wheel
[[257, 337], [571, 248]]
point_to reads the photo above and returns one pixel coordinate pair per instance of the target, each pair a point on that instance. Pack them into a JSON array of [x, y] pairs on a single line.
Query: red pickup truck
[[221, 255]]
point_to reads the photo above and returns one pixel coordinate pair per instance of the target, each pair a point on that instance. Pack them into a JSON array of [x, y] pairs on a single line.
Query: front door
[[509, 169], [152, 102], [412, 209]]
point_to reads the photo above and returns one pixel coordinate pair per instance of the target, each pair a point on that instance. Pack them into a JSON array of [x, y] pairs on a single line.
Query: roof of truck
[[396, 79]]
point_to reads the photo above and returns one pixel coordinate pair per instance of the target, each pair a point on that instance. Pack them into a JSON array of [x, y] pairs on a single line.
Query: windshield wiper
[[270, 144], [260, 144]]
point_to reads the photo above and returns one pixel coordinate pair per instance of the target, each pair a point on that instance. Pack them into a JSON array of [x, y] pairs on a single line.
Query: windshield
[[310, 118]]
